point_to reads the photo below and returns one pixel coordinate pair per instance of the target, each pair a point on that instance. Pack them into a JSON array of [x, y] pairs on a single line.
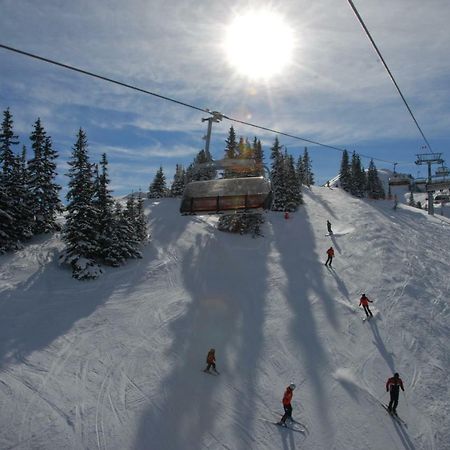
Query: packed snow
[[116, 363]]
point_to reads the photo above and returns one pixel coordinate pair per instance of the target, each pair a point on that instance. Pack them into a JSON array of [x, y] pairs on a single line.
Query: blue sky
[[333, 91]]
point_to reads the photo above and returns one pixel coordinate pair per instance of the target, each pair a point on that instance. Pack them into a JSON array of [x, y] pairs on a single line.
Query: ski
[[394, 416], [287, 427]]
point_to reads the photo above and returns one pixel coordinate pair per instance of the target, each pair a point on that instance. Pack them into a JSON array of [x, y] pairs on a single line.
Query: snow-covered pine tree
[[345, 174], [179, 181], [294, 196], [308, 175], [358, 177], [278, 177], [128, 224], [258, 154], [141, 221], [374, 187], [107, 224], [158, 188], [52, 203], [199, 170], [300, 171], [231, 152], [9, 215], [80, 231]]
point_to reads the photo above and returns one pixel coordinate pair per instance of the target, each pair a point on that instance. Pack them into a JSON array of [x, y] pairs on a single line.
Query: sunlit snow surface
[[116, 363]]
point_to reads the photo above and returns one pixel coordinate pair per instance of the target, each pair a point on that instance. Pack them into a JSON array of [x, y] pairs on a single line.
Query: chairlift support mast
[[429, 159]]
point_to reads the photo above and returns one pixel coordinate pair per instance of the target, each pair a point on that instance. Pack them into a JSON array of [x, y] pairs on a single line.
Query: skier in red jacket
[[330, 253], [211, 360], [393, 385], [287, 397], [364, 302]]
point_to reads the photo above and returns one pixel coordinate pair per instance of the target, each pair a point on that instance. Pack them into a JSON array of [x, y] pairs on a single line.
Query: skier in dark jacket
[[211, 360], [330, 231], [393, 385], [287, 397], [364, 302]]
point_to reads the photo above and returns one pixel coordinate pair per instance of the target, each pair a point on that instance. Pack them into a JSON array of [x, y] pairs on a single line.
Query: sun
[[259, 44]]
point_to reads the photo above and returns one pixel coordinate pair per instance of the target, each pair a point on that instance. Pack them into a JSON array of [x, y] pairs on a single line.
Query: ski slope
[[116, 363]]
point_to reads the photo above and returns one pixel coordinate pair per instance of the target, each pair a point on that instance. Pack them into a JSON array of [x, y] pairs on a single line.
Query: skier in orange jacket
[[393, 385], [287, 398], [330, 253], [364, 301]]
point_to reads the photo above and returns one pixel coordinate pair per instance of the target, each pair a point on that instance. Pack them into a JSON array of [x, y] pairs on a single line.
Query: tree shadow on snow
[[224, 311], [305, 281]]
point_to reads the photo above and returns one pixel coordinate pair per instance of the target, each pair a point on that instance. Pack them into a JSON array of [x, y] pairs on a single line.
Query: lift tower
[[430, 158]]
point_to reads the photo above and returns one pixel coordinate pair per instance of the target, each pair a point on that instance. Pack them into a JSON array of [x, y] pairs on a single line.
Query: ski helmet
[[396, 375], [292, 386]]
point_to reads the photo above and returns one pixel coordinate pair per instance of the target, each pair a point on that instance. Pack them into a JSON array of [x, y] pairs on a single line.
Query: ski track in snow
[[114, 374]]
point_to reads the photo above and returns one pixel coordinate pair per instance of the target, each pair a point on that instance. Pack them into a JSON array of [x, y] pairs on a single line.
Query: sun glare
[[259, 44]]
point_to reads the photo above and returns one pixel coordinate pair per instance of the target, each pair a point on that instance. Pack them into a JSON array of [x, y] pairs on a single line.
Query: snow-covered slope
[[116, 363]]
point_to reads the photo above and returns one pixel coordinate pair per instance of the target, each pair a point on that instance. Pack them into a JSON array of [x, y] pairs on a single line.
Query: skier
[[394, 384], [287, 397], [211, 360], [330, 231], [330, 253], [364, 301]]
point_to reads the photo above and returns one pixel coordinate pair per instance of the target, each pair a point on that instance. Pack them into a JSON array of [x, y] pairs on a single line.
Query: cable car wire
[[388, 70], [163, 97]]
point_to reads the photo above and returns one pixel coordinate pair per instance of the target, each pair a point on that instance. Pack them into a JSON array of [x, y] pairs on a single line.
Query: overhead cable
[[388, 71], [163, 97]]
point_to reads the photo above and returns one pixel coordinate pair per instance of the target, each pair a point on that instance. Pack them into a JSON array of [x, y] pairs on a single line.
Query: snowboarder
[[287, 397], [330, 231], [364, 302], [330, 253], [393, 385], [211, 360]]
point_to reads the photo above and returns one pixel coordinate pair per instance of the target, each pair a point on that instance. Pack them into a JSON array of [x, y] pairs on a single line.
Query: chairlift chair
[[227, 195]]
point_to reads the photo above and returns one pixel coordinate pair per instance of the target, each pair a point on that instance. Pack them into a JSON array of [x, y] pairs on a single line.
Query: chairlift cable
[[388, 71], [163, 97]]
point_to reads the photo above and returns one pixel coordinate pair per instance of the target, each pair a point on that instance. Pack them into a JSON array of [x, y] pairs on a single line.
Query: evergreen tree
[[293, 192], [199, 170], [7, 140], [231, 152], [374, 187], [158, 188], [141, 221], [179, 181], [104, 204], [300, 171], [278, 177], [44, 192], [345, 174], [258, 154], [358, 177], [9, 215], [308, 176], [80, 232]]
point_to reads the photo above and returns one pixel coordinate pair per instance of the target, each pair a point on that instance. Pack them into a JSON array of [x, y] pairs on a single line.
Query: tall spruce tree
[[179, 181], [199, 170], [9, 214], [107, 224], [345, 174], [358, 177], [141, 221], [293, 192], [158, 187], [278, 177], [258, 154], [308, 175], [80, 232], [231, 152], [374, 187]]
